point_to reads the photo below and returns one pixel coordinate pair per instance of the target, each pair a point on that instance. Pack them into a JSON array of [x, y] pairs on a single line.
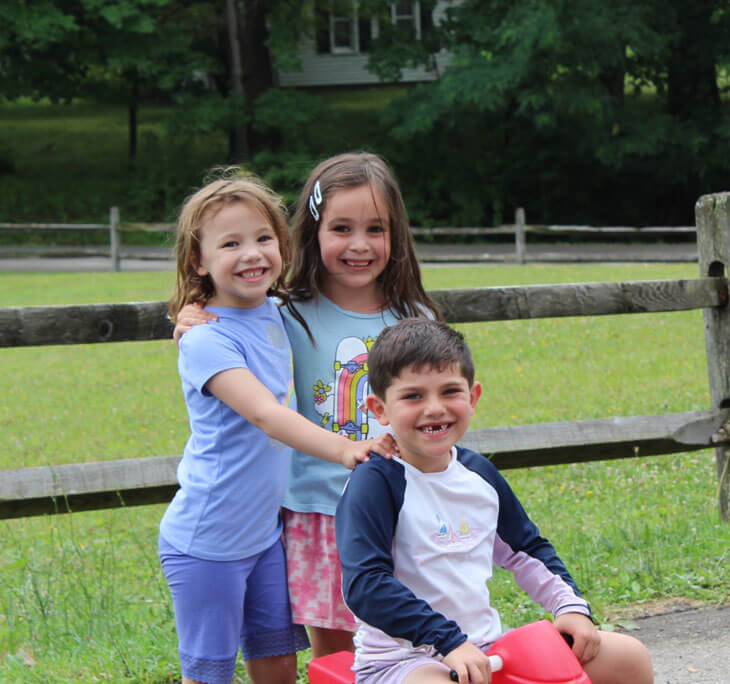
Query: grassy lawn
[[71, 162], [82, 597]]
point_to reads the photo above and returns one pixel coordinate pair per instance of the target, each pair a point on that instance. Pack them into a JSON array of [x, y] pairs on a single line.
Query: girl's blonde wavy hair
[[202, 206]]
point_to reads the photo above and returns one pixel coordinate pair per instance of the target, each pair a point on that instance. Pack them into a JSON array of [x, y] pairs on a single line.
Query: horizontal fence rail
[[87, 324], [109, 484], [517, 231], [55, 226], [78, 487], [510, 229]]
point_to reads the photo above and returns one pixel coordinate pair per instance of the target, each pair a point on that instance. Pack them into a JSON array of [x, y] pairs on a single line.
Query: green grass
[[71, 163], [82, 597]]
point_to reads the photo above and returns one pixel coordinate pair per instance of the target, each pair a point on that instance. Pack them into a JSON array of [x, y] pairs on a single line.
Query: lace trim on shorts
[[208, 670], [280, 642]]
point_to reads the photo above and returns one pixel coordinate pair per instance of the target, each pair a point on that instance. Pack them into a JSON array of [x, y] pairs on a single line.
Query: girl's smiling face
[[354, 244], [239, 251]]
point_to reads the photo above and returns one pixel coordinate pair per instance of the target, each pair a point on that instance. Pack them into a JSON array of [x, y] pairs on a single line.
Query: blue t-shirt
[[232, 475], [331, 381]]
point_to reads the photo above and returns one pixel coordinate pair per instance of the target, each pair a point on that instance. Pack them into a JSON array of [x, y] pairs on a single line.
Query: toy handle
[[495, 664]]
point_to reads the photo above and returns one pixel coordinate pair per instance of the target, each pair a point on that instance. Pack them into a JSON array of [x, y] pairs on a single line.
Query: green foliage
[[205, 114], [538, 91], [66, 49], [291, 114], [288, 20]]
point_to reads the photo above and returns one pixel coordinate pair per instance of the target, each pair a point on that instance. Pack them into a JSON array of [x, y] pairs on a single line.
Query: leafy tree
[[70, 48], [579, 109], [106, 48]]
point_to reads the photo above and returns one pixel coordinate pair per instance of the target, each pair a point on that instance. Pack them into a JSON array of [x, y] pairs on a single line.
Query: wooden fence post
[[712, 213], [114, 237], [520, 235]]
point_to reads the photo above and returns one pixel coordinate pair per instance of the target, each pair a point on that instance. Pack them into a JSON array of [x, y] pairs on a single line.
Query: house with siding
[[336, 52]]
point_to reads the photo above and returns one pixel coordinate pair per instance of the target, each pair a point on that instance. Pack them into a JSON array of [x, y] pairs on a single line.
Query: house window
[[343, 27], [340, 30], [406, 16]]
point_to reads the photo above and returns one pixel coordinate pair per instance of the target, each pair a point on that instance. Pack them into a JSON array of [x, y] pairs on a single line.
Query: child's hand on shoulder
[[189, 316], [469, 663], [586, 639], [359, 452]]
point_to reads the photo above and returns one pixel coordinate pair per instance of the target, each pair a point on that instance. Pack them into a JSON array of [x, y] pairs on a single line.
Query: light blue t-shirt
[[331, 382], [232, 475]]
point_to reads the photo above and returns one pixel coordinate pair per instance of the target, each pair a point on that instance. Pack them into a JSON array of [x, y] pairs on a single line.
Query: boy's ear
[[475, 393], [377, 408]]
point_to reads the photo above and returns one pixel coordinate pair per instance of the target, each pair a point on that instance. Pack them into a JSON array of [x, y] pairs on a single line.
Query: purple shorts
[[221, 606]]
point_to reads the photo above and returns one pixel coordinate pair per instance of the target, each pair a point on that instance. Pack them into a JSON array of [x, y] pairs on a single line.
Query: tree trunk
[[132, 113], [238, 146], [613, 79], [692, 80], [258, 72]]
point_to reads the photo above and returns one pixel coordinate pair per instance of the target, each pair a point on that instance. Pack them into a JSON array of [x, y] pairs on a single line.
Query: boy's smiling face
[[429, 410]]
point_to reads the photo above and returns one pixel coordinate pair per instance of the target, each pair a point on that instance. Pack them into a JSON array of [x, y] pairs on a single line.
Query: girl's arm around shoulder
[[240, 389], [366, 520], [189, 316]]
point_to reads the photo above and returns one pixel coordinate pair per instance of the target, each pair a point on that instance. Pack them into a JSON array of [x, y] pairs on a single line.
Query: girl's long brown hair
[[203, 205], [400, 281]]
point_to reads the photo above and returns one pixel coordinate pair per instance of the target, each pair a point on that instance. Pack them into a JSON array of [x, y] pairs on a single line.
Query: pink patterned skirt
[[315, 573]]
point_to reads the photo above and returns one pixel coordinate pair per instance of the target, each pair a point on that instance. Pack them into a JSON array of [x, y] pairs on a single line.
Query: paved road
[[688, 646]]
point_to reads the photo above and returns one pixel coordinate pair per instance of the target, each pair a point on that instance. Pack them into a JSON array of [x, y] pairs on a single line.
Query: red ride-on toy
[[533, 654]]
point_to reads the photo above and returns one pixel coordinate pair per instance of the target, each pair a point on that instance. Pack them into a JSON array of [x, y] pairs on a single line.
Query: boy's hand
[[586, 639], [190, 315], [358, 452], [469, 663]]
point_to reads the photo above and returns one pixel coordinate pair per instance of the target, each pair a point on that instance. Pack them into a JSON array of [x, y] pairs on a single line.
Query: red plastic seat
[[536, 654], [531, 654], [332, 669]]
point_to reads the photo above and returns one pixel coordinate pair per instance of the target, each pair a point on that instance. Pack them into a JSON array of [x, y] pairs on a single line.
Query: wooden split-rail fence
[[108, 484], [517, 232]]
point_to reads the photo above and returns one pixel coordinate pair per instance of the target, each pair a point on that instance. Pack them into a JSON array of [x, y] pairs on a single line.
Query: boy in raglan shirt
[[418, 535]]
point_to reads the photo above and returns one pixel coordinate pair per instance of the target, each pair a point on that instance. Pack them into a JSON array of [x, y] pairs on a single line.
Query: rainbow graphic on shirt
[[351, 388], [340, 399]]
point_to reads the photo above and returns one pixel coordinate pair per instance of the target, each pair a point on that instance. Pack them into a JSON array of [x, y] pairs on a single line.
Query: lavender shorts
[[223, 605], [395, 672]]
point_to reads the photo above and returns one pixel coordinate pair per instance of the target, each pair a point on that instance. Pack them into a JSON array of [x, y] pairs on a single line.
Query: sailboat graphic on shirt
[[447, 536]]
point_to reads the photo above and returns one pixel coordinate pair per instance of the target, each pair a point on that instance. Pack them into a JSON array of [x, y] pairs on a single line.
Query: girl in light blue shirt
[[220, 538]]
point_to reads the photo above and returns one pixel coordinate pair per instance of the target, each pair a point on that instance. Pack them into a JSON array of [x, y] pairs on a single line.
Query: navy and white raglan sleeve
[[520, 549], [366, 519]]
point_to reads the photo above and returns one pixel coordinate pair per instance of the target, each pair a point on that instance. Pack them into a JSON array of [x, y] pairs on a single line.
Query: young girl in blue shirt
[[354, 272], [220, 538]]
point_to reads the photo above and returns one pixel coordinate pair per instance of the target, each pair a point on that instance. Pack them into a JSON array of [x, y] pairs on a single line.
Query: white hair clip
[[315, 199]]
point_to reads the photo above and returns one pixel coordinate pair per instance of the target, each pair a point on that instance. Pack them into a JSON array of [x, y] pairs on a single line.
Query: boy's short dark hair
[[416, 342]]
